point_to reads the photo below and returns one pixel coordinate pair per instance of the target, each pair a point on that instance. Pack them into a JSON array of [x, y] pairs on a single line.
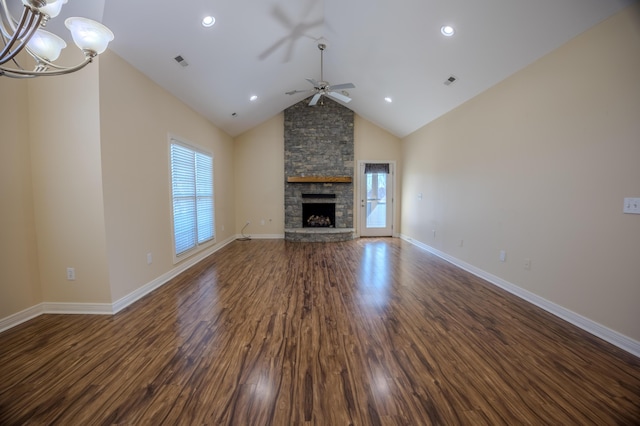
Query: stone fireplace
[[319, 167]]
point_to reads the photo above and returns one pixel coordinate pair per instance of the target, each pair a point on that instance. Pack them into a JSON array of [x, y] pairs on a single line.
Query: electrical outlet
[[434, 233], [503, 256], [149, 258], [71, 274], [461, 243], [262, 222]]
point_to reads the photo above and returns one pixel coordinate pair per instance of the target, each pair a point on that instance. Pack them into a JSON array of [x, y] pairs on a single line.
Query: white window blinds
[[192, 192]]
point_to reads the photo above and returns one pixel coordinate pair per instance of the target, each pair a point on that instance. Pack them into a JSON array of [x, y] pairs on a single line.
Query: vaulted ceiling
[[386, 49]]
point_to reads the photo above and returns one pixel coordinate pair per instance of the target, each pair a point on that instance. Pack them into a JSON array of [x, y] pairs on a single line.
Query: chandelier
[[27, 34]]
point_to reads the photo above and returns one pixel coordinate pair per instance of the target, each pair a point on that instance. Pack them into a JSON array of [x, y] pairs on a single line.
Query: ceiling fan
[[322, 87]]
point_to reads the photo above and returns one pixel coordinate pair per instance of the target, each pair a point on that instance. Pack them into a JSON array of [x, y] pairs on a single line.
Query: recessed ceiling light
[[253, 98], [208, 21], [447, 30], [388, 99]]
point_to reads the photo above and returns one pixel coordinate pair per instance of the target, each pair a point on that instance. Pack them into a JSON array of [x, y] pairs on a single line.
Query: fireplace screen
[[318, 215]]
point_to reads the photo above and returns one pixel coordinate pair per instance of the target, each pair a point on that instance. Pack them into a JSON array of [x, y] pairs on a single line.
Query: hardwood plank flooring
[[269, 332]]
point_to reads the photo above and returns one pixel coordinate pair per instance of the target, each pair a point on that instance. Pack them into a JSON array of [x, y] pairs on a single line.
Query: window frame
[[198, 246]]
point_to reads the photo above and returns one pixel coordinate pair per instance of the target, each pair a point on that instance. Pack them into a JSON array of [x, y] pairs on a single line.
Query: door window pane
[[376, 200]]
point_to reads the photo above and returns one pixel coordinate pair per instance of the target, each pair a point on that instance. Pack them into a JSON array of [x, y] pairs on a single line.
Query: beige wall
[[375, 144], [137, 117], [259, 176], [86, 184], [539, 166], [19, 273], [67, 187]]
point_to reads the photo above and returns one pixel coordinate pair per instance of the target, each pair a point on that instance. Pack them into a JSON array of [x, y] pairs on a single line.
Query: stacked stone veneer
[[318, 141]]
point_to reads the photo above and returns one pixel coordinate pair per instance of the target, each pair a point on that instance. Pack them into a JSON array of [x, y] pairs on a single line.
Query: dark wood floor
[[367, 332]]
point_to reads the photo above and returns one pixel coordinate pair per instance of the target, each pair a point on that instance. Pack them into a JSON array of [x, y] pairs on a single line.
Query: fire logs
[[318, 221]]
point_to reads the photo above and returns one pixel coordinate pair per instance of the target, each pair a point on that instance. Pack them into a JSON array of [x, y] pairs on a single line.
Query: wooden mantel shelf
[[319, 179]]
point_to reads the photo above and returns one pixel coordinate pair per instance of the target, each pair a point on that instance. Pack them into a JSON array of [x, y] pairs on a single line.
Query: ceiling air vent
[[449, 81], [179, 59]]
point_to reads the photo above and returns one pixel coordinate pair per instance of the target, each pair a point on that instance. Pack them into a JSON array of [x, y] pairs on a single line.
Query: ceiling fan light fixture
[[322, 87], [208, 21], [447, 30]]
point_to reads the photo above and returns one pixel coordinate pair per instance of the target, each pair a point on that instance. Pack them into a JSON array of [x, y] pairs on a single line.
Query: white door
[[376, 200]]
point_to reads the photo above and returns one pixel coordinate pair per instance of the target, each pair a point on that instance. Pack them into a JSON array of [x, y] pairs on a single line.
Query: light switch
[[631, 205]]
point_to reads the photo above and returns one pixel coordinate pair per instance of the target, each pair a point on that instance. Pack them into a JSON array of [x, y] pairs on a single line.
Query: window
[[192, 197]]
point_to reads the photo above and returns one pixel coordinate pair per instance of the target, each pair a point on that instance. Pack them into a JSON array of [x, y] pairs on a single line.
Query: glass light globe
[[53, 9], [46, 45], [89, 35], [30, 3]]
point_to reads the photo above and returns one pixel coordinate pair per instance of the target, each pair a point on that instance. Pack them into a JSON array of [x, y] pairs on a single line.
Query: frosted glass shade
[[89, 35], [30, 4], [46, 45], [53, 9]]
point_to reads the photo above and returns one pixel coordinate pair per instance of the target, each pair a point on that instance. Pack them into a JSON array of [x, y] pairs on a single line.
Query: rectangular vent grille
[[450, 81], [179, 59]]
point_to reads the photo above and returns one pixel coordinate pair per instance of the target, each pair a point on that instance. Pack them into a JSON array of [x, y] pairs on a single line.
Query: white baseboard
[[20, 317], [620, 340], [262, 236], [139, 293], [54, 308], [77, 308], [106, 308]]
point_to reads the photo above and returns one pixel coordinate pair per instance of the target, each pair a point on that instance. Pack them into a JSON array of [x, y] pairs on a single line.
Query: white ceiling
[[385, 48]]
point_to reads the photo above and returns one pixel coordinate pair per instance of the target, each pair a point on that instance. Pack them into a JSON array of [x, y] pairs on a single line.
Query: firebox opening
[[318, 215]]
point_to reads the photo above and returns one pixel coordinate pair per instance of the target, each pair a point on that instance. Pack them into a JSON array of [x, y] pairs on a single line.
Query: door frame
[[361, 207]]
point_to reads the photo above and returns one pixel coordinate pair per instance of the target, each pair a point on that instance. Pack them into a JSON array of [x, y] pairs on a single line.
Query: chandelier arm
[[13, 38], [6, 20], [23, 32], [20, 73], [42, 62]]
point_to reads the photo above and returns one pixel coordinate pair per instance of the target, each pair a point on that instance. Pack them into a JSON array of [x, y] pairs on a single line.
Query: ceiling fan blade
[[281, 16], [339, 96], [293, 92], [342, 86], [315, 99], [312, 81]]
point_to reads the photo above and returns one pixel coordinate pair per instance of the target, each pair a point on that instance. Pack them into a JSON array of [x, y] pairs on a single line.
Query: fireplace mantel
[[319, 179]]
